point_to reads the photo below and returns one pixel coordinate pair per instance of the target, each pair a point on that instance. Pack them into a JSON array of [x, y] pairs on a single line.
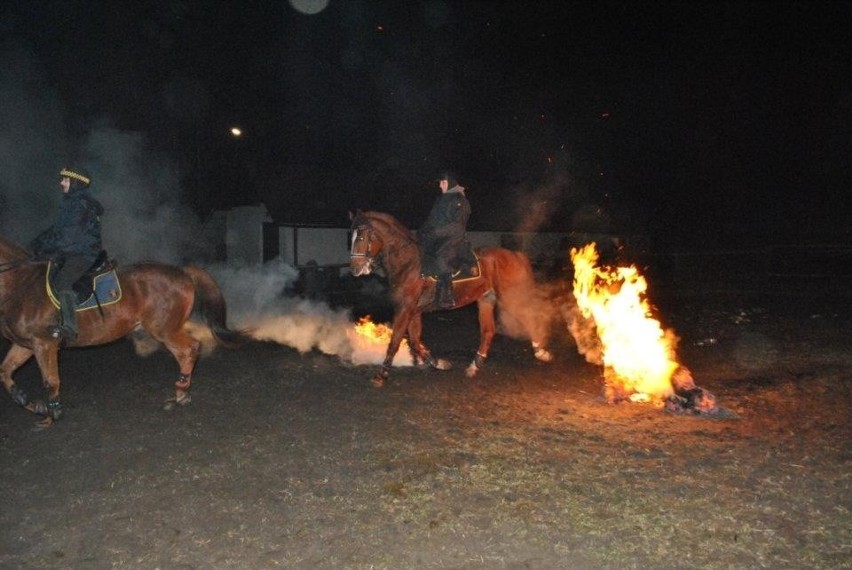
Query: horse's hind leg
[[418, 350], [486, 334], [541, 352], [15, 358], [415, 341], [535, 327], [185, 349]]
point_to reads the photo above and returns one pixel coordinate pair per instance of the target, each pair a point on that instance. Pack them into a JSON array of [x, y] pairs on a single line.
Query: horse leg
[[541, 352], [486, 335], [401, 322], [536, 334], [418, 350], [15, 358], [47, 356], [415, 341], [185, 349]]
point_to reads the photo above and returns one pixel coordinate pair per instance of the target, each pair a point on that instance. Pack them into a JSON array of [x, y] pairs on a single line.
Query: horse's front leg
[[401, 320], [486, 335], [415, 341], [15, 358], [47, 356]]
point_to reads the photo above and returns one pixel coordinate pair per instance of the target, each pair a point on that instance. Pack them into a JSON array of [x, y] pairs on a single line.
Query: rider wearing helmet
[[73, 243]]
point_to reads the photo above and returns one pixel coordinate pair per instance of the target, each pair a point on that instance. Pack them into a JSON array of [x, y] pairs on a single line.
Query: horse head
[[366, 246]]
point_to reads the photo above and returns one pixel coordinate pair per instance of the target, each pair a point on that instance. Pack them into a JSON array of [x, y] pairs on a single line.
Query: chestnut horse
[[505, 280], [156, 302]]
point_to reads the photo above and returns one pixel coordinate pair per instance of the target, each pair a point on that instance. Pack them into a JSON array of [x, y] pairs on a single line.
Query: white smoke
[[31, 137], [140, 190], [144, 217], [258, 301], [141, 193]]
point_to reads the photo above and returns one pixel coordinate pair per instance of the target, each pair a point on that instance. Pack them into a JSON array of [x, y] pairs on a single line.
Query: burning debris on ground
[[691, 399], [613, 327]]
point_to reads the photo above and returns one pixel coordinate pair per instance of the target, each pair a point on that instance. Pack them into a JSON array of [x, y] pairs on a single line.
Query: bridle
[[369, 257], [367, 252]]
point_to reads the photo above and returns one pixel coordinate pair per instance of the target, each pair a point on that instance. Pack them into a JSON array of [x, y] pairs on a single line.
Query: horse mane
[[12, 250], [391, 223]]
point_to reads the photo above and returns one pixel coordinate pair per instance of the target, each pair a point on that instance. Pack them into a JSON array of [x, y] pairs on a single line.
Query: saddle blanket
[[104, 290]]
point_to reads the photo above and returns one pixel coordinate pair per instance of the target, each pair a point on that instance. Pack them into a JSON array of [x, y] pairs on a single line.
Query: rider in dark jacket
[[443, 239], [73, 243]]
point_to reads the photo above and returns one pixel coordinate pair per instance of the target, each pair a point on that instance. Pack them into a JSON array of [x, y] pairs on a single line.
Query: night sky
[[698, 124]]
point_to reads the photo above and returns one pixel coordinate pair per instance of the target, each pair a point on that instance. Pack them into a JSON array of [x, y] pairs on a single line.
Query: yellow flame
[[377, 333], [370, 342], [639, 355]]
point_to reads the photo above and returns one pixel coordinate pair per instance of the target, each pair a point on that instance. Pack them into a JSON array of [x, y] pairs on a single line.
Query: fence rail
[[777, 266]]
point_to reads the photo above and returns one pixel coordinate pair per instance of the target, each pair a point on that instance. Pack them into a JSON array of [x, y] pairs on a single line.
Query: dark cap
[[449, 177]]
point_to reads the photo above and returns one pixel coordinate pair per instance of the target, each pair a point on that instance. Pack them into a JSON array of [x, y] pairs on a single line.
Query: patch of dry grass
[[661, 498]]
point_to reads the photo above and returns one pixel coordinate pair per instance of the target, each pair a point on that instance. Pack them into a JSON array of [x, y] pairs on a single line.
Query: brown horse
[[505, 280], [156, 302]]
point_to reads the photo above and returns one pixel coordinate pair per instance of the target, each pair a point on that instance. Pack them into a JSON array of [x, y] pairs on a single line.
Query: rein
[[366, 253], [10, 265]]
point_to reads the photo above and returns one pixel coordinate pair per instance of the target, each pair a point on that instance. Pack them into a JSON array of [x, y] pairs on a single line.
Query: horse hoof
[[38, 407], [19, 396], [471, 370], [171, 403], [543, 354], [442, 364], [45, 423], [378, 382]]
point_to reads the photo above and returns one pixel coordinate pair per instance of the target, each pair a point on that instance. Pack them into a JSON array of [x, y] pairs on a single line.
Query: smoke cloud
[[145, 218], [257, 301], [535, 206], [140, 189]]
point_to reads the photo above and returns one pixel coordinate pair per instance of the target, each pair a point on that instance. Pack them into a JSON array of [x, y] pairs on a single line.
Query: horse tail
[[519, 294], [209, 306], [511, 269]]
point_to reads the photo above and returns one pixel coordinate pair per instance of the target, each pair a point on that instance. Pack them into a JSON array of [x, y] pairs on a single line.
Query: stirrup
[[61, 332]]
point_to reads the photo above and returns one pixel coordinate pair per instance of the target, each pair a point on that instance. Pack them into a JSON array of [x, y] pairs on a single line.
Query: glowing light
[[236, 131], [309, 7]]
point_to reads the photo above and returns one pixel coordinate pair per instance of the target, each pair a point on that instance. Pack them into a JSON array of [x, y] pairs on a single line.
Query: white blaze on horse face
[[359, 263]]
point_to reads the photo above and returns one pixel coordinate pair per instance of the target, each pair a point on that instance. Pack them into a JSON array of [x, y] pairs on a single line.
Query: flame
[[372, 332], [638, 355], [370, 342]]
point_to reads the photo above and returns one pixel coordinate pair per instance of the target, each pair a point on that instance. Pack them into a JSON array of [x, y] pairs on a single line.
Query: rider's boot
[[444, 292], [67, 328]]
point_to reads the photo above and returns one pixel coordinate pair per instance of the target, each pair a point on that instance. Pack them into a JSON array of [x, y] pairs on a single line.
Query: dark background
[[698, 124]]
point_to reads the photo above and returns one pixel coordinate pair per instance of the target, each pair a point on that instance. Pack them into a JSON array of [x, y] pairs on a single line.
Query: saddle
[[97, 287], [463, 273]]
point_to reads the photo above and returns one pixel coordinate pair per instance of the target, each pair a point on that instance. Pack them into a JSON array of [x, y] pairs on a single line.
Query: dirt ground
[[286, 460]]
